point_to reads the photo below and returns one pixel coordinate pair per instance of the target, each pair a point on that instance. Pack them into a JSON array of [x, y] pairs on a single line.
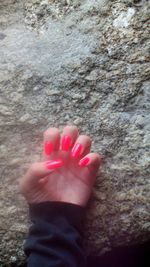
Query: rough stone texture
[[87, 63]]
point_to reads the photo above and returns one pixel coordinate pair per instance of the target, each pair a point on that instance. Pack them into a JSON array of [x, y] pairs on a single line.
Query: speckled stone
[[86, 63]]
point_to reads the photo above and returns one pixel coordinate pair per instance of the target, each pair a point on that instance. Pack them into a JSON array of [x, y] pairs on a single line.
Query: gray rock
[[86, 63]]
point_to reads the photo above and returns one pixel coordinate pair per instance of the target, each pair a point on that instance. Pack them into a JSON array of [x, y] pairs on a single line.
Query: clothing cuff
[[51, 211]]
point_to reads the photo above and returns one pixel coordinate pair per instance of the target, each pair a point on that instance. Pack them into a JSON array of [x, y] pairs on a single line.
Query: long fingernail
[[66, 143], [76, 151], [54, 164], [84, 162], [47, 148]]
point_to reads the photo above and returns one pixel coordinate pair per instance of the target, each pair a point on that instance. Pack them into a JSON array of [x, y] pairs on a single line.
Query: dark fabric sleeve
[[55, 238]]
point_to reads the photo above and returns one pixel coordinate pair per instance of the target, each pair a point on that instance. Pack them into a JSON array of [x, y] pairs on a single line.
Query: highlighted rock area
[[84, 63]]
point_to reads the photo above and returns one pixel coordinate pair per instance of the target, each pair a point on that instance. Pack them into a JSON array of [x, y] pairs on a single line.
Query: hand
[[67, 171]]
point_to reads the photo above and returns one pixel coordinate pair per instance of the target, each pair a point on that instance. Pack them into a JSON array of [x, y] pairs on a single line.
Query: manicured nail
[[54, 164], [83, 162], [76, 151], [66, 143], [47, 148]]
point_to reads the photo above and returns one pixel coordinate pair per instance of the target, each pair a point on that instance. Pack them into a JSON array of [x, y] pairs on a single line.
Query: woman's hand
[[66, 172]]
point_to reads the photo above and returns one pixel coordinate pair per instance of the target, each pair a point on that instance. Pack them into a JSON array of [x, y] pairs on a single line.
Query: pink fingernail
[[76, 151], [66, 143], [54, 164], [47, 148], [83, 162]]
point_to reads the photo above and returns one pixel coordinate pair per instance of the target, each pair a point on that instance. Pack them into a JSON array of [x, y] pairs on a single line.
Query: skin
[[68, 183]]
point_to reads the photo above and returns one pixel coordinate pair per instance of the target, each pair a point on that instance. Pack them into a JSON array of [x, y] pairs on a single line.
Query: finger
[[68, 137], [92, 161], [51, 142], [81, 147], [38, 171]]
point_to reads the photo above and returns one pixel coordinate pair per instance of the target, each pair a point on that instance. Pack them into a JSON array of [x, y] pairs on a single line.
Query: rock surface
[[87, 63]]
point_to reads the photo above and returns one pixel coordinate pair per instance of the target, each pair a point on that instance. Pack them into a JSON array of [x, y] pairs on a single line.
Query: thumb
[[36, 172]]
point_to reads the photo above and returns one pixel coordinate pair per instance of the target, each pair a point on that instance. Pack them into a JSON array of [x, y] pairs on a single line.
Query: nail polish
[[76, 151], [47, 148], [83, 162], [54, 164], [66, 143]]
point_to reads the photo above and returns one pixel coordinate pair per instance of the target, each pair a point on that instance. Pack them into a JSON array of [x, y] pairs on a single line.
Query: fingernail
[[66, 143], [47, 148], [76, 151], [54, 164], [83, 162]]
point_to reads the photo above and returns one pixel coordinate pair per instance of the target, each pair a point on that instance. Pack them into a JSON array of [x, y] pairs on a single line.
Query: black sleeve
[[55, 238]]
